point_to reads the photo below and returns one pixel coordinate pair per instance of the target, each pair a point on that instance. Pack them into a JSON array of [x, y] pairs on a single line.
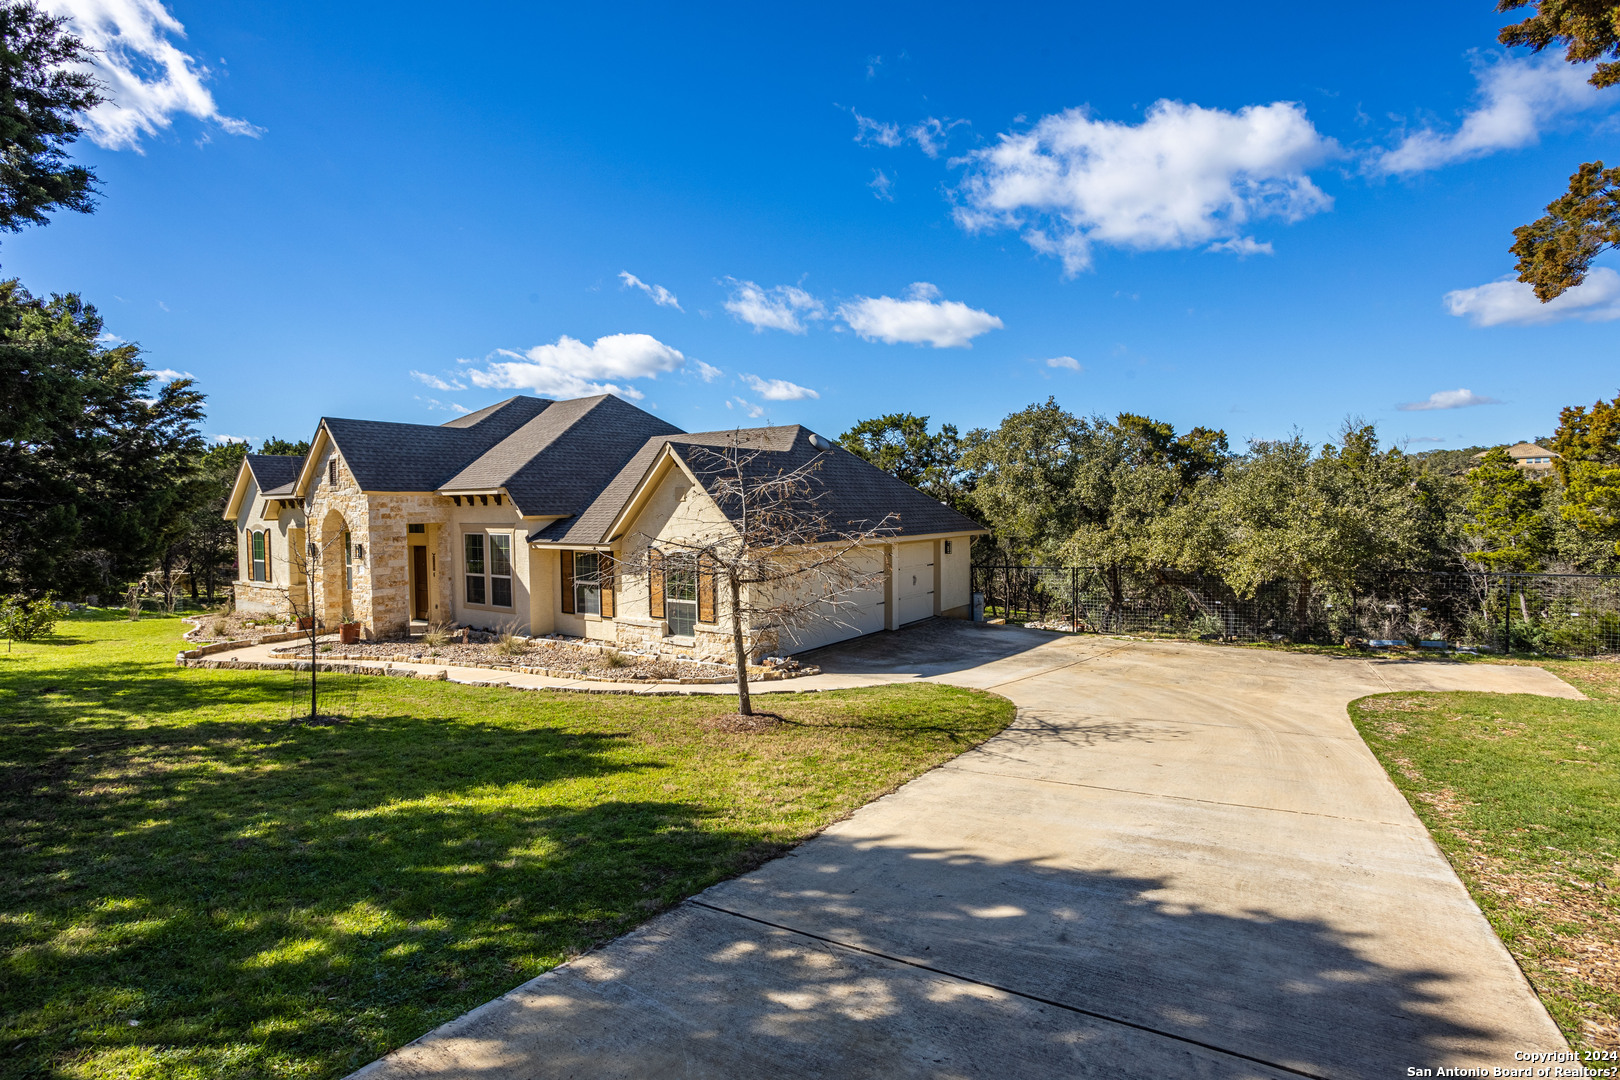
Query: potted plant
[[349, 629], [306, 622]]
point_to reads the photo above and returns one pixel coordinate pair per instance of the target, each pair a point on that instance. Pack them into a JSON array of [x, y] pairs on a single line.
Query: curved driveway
[[1180, 861]]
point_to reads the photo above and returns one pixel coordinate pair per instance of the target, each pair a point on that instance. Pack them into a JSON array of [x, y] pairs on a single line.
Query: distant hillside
[[1458, 462], [1450, 462]]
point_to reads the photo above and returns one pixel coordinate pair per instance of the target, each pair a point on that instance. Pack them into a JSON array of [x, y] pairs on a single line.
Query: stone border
[[443, 675], [201, 651]]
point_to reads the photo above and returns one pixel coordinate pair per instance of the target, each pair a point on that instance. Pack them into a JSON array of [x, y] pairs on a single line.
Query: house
[[516, 516], [1528, 456]]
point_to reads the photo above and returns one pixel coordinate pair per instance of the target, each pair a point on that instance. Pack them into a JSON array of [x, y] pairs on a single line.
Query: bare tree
[[303, 561], [779, 556]]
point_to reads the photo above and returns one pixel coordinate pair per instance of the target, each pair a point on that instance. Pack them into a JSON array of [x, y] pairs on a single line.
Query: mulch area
[[740, 723]]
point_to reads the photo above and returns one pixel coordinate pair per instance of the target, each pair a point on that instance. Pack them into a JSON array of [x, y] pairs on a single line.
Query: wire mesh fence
[[1564, 614]]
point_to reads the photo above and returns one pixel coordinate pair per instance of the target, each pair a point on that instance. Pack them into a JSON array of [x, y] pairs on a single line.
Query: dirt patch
[[740, 723]]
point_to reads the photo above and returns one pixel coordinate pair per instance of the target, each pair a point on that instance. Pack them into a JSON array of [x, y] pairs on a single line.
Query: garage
[[862, 613], [914, 581]]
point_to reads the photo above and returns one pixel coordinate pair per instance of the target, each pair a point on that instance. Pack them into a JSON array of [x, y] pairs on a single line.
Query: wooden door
[[419, 582]]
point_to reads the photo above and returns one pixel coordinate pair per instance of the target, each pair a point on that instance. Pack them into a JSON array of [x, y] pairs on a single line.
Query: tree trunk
[[1302, 610], [744, 704]]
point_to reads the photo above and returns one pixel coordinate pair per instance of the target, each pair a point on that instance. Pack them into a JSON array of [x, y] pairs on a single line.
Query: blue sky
[[1255, 219]]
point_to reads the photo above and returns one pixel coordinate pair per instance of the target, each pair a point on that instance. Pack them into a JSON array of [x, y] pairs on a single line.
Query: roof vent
[[819, 443]]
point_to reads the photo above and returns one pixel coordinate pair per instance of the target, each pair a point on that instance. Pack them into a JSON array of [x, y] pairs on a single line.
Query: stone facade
[[259, 598]]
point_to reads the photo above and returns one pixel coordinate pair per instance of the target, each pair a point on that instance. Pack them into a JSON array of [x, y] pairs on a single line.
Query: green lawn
[[192, 886], [1522, 793]]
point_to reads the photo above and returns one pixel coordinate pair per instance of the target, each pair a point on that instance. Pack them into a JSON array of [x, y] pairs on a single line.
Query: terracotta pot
[[306, 623], [349, 633]]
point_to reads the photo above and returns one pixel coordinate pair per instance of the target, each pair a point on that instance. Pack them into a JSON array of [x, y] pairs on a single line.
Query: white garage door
[[858, 613], [914, 581]]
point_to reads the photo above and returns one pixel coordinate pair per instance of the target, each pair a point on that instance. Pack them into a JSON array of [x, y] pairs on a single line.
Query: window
[[587, 583], [680, 593], [474, 547], [257, 540], [418, 527], [331, 469], [488, 568], [348, 562], [500, 570]]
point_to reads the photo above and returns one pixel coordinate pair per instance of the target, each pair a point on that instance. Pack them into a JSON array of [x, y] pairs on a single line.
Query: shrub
[[25, 620], [508, 643], [615, 659], [436, 635]]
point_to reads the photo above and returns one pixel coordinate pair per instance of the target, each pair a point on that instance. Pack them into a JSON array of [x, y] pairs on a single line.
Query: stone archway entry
[[336, 591]]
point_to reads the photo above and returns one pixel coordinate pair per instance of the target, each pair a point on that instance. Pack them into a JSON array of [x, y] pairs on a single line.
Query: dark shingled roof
[[275, 473], [560, 461], [856, 493], [421, 457]]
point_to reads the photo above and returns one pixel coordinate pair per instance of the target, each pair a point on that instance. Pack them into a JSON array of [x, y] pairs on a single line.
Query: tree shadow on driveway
[[937, 963]]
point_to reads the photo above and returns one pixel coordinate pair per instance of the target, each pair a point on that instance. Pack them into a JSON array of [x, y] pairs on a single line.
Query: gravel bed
[[233, 627], [557, 657]]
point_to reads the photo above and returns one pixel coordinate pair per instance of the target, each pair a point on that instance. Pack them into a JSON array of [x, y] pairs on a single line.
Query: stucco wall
[[676, 509], [486, 519], [955, 578], [286, 532]]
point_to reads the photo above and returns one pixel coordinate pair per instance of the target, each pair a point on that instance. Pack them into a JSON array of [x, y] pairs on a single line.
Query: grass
[[1522, 793], [196, 887]]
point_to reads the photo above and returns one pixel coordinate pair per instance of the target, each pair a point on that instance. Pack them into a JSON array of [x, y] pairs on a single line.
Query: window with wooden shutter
[[605, 576], [269, 559], [655, 584], [705, 591], [567, 558]]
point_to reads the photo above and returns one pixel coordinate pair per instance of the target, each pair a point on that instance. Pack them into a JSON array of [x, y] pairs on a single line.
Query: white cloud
[[149, 79], [436, 382], [882, 185], [1447, 399], [571, 368], [168, 375], [778, 389], [1243, 246], [451, 407], [1068, 362], [1518, 96], [785, 307], [921, 318], [754, 411], [660, 295], [1513, 303], [931, 134], [1185, 176], [707, 372], [225, 439], [874, 132]]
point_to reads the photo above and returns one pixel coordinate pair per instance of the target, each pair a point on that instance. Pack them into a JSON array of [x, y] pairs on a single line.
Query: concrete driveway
[[1180, 861]]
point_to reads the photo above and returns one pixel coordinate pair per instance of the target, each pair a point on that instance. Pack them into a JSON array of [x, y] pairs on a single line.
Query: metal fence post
[[1507, 614], [1074, 599]]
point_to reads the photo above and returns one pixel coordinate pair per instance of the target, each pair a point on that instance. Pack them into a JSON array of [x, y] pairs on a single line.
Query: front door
[[419, 582]]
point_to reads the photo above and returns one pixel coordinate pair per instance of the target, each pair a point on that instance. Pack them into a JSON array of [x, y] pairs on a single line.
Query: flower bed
[[544, 656]]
